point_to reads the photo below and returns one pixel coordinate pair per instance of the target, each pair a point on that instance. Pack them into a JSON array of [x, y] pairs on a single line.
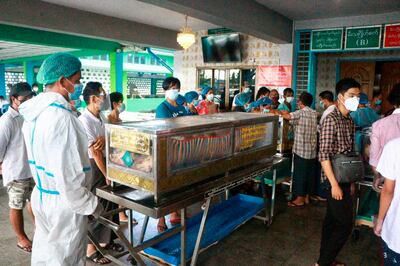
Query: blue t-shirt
[[283, 107], [167, 110]]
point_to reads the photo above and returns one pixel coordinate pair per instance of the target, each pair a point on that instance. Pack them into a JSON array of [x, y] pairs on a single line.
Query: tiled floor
[[293, 239]]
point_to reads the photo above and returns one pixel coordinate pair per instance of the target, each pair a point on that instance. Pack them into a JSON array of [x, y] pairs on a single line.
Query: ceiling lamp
[[186, 37]]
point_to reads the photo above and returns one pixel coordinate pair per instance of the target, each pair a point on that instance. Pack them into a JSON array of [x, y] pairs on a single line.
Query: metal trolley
[[139, 201]]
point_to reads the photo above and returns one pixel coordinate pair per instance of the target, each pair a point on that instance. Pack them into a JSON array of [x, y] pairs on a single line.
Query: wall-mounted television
[[221, 48]]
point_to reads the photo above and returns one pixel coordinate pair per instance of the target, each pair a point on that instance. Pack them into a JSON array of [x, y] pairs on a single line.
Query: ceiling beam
[[247, 16], [49, 38], [50, 17]]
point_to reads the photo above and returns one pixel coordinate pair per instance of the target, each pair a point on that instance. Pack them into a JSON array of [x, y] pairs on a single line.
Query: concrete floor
[[293, 239]]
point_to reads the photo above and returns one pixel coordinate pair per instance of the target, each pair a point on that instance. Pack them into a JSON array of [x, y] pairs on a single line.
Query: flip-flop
[[27, 249], [96, 257], [115, 247], [162, 228], [292, 204]]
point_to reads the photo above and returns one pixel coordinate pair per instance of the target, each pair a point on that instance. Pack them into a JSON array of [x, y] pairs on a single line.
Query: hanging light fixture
[[186, 37]]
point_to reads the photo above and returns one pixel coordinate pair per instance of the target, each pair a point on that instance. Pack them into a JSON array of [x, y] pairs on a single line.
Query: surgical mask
[[196, 102], [378, 102], [351, 104], [275, 98], [78, 91], [246, 90], [172, 94], [69, 93], [289, 99], [121, 108], [266, 111], [321, 104], [210, 97]]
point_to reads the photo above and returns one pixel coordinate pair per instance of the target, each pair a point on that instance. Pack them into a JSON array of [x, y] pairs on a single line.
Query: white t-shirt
[[94, 127], [389, 167]]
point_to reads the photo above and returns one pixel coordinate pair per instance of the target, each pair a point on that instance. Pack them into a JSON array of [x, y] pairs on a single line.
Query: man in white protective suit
[[57, 151]]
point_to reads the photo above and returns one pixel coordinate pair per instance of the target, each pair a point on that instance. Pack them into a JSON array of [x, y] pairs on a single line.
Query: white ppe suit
[[57, 151]]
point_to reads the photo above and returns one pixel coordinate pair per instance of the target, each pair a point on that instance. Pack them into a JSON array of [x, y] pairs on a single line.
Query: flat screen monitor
[[221, 48]]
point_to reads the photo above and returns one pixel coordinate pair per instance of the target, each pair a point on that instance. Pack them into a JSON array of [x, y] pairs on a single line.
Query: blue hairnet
[[363, 98], [180, 100], [191, 96], [205, 90], [242, 99], [56, 66]]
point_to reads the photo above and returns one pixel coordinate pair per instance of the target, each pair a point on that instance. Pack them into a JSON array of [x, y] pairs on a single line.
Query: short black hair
[[394, 95], [327, 95], [306, 98], [288, 90], [2, 97], [345, 84], [91, 88], [116, 97], [169, 82], [262, 91]]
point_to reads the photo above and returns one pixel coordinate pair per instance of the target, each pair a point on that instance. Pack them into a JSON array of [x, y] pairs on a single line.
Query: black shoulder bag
[[348, 168]]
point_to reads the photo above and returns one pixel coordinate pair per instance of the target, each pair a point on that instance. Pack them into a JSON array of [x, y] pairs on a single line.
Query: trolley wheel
[[355, 236]]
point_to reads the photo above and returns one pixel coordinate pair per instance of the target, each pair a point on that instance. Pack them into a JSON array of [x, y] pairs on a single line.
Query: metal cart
[[137, 200]]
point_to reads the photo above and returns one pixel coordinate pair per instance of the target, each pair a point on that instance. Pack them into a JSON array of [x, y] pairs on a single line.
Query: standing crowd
[[53, 158]]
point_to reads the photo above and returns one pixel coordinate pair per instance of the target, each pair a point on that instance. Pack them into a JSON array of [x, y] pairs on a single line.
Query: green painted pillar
[[3, 80], [29, 73], [124, 85], [116, 71]]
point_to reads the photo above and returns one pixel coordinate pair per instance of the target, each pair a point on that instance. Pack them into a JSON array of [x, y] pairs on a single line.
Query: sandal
[[27, 248], [292, 204], [115, 247], [97, 258]]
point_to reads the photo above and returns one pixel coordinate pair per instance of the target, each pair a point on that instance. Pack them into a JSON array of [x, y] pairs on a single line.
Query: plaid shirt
[[336, 136], [305, 123]]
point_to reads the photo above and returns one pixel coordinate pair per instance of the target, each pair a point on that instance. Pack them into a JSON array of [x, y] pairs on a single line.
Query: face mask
[[69, 93], [351, 104], [121, 108], [78, 91], [266, 111], [275, 99], [172, 94], [210, 97], [246, 90], [289, 99], [321, 104], [196, 102], [378, 102]]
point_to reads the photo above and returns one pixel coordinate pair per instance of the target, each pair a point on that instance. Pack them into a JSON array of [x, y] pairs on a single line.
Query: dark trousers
[[389, 256], [337, 226], [304, 175]]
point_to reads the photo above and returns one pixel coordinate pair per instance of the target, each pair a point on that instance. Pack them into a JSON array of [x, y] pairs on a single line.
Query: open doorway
[[373, 75]]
